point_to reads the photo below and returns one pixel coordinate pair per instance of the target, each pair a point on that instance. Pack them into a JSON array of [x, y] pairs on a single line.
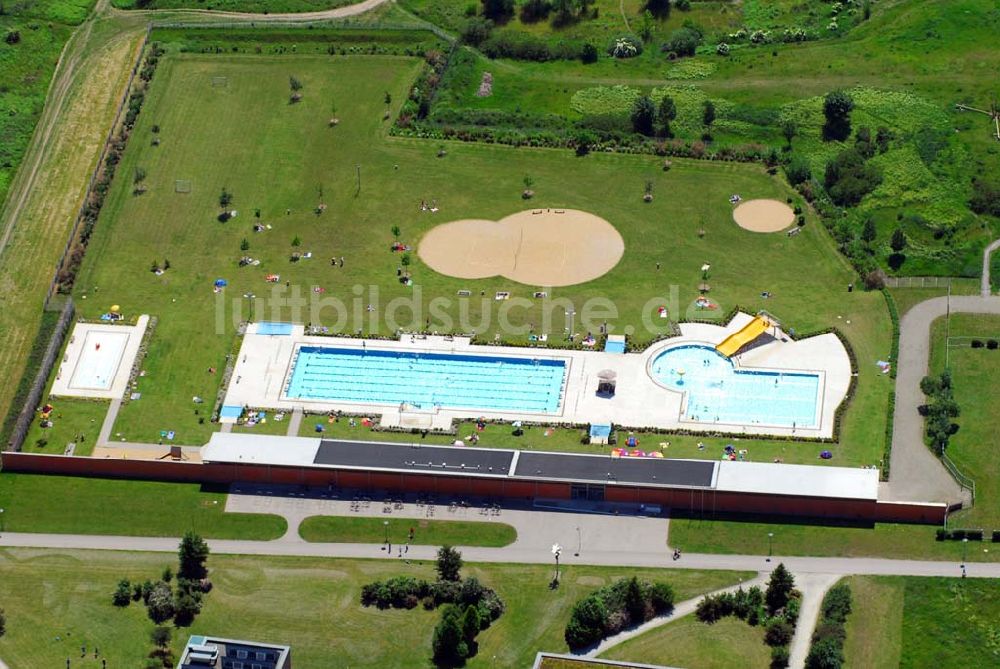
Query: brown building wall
[[710, 503]]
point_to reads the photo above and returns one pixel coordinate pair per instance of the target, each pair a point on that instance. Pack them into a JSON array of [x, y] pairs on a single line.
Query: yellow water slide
[[744, 336]]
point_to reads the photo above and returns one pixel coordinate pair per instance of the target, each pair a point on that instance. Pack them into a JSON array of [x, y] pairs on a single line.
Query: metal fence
[[27, 414], [967, 482], [919, 281]]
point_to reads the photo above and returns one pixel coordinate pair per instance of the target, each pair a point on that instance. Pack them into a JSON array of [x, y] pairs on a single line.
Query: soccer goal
[[220, 82], [182, 186]]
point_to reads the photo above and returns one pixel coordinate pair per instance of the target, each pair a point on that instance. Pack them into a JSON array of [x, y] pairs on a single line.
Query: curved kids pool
[[718, 392]]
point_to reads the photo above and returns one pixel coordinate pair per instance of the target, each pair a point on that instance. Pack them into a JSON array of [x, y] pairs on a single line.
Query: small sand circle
[[763, 215], [539, 247]]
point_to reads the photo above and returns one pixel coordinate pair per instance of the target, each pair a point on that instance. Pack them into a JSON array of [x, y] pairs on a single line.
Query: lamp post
[[556, 552], [579, 540], [385, 523], [250, 297], [965, 548], [1, 521], [770, 545]]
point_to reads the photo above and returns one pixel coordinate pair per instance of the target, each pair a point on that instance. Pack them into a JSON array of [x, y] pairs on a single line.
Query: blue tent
[[219, 283]]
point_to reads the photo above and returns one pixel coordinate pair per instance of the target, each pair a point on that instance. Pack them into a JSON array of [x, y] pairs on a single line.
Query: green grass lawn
[[56, 601], [339, 529], [935, 50], [749, 536], [73, 421], [275, 157], [975, 374], [922, 622], [69, 505], [687, 642]]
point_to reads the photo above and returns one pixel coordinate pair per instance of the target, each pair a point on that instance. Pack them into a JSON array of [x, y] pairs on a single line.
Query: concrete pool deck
[[265, 362], [98, 360]]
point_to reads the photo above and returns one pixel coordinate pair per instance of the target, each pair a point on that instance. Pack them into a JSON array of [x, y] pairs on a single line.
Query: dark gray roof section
[[605, 469], [414, 457]]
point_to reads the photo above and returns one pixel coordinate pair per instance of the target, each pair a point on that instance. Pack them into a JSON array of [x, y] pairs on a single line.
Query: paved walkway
[[618, 557], [681, 609], [294, 422], [336, 13], [984, 287], [915, 473], [813, 588], [537, 530]]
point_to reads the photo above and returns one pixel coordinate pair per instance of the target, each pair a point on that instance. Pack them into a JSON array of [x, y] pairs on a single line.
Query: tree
[[682, 42], [708, 114], [643, 113], [123, 593], [863, 142], [449, 563], [450, 647], [294, 84], [535, 10], [225, 198], [160, 605], [798, 170], [160, 636], [586, 622], [3, 622], [168, 575], [665, 114], [387, 99], [186, 608], [476, 30], [898, 241], [837, 108], [789, 130], [659, 8], [296, 241], [869, 233], [779, 587], [825, 654], [635, 601], [139, 175], [13, 37], [646, 26], [499, 11], [882, 138], [193, 553], [588, 53], [396, 231], [778, 633], [245, 244], [471, 624]]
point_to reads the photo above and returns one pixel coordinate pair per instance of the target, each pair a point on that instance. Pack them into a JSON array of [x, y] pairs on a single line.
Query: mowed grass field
[[56, 601], [922, 623], [70, 505], [339, 529], [284, 159], [975, 374], [728, 644]]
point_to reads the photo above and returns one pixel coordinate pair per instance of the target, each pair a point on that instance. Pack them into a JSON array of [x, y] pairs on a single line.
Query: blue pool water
[[427, 380], [718, 392], [271, 328]]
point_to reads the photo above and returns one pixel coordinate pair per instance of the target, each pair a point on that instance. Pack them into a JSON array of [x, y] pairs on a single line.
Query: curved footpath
[[915, 473], [336, 13], [984, 286]]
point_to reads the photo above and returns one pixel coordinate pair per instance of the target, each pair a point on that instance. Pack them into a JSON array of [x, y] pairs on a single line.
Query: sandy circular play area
[[540, 247], [763, 215]]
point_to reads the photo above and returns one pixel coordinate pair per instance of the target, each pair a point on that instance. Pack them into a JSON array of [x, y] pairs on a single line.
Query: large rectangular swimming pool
[[427, 380]]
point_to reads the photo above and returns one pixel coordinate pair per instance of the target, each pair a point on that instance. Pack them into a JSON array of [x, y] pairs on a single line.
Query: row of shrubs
[[608, 610], [939, 411], [406, 592], [991, 344], [827, 650], [971, 535]]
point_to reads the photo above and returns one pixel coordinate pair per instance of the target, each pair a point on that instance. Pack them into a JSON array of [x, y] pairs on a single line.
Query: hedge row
[[607, 611], [827, 650]]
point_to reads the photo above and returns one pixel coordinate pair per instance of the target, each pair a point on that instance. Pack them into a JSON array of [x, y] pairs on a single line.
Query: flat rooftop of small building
[[606, 469], [414, 457]]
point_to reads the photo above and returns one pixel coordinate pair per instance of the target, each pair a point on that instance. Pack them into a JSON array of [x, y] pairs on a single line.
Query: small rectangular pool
[[427, 380], [99, 360]]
